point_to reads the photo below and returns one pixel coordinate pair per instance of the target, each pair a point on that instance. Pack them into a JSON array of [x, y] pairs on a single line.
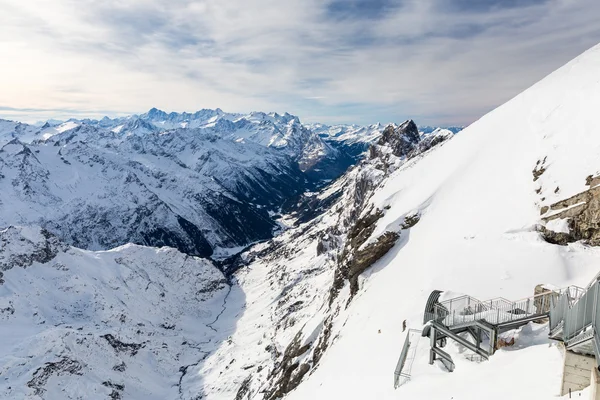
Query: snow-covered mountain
[[108, 322], [282, 132], [480, 214], [207, 183], [319, 310], [97, 189], [120, 324], [203, 183]]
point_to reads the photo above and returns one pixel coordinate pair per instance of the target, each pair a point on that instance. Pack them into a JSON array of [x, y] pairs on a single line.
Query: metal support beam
[[433, 343]]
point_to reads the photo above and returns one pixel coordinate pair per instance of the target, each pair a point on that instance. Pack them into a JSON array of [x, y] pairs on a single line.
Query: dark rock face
[[366, 257], [540, 168], [117, 389], [354, 260], [401, 140]]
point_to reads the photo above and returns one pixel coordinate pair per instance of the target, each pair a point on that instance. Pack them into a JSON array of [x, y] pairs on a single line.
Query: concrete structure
[[577, 372]]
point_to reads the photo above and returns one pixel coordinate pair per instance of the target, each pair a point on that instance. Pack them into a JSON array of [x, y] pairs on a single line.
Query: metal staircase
[[573, 316], [481, 320], [575, 320]]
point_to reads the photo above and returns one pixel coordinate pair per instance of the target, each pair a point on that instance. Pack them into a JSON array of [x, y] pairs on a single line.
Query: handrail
[[403, 355], [465, 309], [575, 312]]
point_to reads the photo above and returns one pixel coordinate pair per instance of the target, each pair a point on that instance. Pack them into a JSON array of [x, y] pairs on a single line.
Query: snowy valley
[[273, 259]]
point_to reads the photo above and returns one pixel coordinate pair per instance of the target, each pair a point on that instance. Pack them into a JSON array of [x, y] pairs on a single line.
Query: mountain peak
[[400, 139]]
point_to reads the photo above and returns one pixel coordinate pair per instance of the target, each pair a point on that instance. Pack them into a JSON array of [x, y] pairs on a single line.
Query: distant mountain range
[[207, 183]]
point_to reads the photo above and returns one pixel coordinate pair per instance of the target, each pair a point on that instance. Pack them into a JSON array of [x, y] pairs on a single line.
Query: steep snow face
[[124, 323], [479, 199]]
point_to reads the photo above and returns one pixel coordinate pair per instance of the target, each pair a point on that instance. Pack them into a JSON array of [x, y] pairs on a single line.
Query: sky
[[439, 62]]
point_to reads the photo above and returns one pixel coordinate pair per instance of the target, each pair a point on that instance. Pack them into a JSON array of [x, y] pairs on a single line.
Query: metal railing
[[407, 356], [465, 310], [576, 313]]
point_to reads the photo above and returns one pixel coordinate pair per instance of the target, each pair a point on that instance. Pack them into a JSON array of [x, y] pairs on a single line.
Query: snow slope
[[119, 324], [479, 207], [290, 281]]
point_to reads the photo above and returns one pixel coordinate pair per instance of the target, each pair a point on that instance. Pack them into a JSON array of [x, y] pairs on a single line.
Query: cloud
[[440, 61]]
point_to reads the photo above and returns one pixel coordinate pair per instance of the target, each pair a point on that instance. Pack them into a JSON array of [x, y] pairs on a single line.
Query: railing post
[[583, 323], [595, 304], [565, 325]]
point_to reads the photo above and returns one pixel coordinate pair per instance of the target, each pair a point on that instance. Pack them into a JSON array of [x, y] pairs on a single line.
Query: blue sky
[[439, 62]]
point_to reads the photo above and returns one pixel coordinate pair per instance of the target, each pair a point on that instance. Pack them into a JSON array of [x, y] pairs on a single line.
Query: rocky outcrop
[[289, 371], [62, 367], [582, 213], [402, 140], [540, 168], [366, 257]]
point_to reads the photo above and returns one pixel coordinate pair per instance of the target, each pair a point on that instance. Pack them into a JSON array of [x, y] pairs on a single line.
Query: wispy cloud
[[443, 61]]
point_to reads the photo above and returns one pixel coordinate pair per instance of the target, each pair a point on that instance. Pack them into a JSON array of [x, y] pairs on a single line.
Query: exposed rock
[[42, 374], [366, 257], [119, 346], [244, 390], [363, 228], [592, 181], [401, 140], [117, 389], [537, 172], [323, 342], [583, 213], [539, 169], [560, 238], [34, 245], [289, 371], [410, 221], [120, 367], [357, 235]]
